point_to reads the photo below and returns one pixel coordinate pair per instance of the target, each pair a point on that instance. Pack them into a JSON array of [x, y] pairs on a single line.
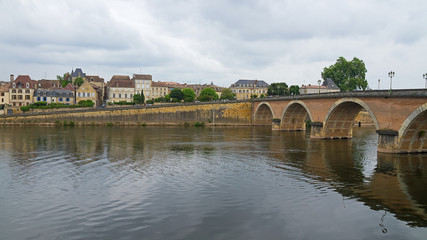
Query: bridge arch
[[295, 116], [339, 120], [412, 134], [263, 114]]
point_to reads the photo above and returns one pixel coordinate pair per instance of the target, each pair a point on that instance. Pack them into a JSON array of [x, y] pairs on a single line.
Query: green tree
[[227, 93], [63, 80], [176, 95], [294, 90], [78, 81], [347, 75], [167, 98], [278, 89], [207, 94], [189, 95], [139, 98]]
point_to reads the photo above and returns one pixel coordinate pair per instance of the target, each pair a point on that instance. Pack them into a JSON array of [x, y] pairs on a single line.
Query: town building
[[77, 73], [159, 89], [327, 86], [22, 90], [53, 95], [142, 83], [199, 87], [244, 89], [88, 91], [120, 88], [47, 84], [99, 85], [4, 95]]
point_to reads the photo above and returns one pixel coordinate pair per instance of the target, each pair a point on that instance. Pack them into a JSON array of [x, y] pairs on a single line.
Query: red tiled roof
[[120, 81], [23, 80]]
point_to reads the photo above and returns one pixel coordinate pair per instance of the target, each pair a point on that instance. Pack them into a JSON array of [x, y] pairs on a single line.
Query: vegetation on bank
[[44, 105]]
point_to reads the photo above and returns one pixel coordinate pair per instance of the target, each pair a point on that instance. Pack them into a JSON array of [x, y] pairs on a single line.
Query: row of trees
[[188, 95]]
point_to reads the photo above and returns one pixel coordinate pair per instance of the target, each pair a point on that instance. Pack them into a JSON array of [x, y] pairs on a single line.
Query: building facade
[[244, 89], [159, 89], [142, 83], [4, 95], [22, 91], [87, 92], [327, 86], [120, 88], [54, 96]]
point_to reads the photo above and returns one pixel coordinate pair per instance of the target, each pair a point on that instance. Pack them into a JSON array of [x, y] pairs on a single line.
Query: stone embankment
[[218, 113]]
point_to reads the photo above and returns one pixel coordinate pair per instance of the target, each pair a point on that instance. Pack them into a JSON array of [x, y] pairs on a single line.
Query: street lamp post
[[379, 84], [318, 81], [391, 75], [425, 77]]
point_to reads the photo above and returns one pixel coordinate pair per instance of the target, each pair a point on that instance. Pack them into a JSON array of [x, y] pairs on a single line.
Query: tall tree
[[347, 75], [227, 93], [176, 94], [189, 95], [278, 89], [63, 80], [294, 90], [79, 81], [208, 94], [139, 98]]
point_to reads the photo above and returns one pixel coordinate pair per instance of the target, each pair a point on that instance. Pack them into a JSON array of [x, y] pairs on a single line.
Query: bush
[[25, 108], [86, 103], [199, 124], [150, 101]]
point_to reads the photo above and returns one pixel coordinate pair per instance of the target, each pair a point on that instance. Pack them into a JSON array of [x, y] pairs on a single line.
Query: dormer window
[[14, 85], [27, 85]]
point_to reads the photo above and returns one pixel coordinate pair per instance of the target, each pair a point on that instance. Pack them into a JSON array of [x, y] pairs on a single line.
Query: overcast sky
[[203, 41]]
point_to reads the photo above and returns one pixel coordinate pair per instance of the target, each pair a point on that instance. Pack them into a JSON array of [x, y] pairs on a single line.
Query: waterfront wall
[[218, 113]]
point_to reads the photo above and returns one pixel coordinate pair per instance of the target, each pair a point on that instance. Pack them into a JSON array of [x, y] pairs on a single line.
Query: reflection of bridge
[[400, 116]]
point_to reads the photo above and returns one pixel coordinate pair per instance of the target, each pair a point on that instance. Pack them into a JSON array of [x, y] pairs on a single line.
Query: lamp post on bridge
[[391, 75], [425, 77], [379, 84], [319, 81]]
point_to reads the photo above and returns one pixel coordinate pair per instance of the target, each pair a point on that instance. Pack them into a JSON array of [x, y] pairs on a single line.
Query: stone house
[[52, 95], [142, 83], [88, 91], [120, 88], [4, 95], [245, 88], [159, 89], [22, 90]]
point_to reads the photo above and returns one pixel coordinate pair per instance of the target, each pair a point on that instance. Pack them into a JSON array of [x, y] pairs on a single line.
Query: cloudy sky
[[203, 41]]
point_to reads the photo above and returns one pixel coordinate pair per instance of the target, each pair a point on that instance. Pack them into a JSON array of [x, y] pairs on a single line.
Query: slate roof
[[329, 84], [54, 92], [78, 72], [247, 83]]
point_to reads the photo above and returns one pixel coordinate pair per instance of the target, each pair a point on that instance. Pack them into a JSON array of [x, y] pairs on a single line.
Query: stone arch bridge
[[400, 116]]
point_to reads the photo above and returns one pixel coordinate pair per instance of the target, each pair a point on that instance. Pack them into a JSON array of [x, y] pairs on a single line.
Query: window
[[27, 85], [120, 95], [131, 96], [114, 95], [14, 97], [19, 91], [67, 99], [60, 99], [20, 97], [13, 91], [27, 91], [38, 99], [93, 94], [126, 95], [44, 99]]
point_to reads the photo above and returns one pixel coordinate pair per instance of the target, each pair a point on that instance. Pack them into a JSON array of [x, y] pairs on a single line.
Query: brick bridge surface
[[400, 116]]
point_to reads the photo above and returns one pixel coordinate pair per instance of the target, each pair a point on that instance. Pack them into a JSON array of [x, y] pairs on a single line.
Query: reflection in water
[[198, 183]]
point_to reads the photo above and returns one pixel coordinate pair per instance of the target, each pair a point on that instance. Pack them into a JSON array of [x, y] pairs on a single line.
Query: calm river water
[[205, 183]]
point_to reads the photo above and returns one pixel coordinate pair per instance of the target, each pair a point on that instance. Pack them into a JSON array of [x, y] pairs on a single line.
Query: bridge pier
[[316, 130], [387, 141], [276, 123]]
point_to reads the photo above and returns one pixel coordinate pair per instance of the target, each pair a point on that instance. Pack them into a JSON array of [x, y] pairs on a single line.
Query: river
[[205, 183]]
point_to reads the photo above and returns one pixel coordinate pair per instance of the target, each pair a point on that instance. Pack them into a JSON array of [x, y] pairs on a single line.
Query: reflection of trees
[[397, 184]]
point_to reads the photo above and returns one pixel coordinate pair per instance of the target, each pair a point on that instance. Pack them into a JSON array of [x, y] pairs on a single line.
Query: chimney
[[12, 78]]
